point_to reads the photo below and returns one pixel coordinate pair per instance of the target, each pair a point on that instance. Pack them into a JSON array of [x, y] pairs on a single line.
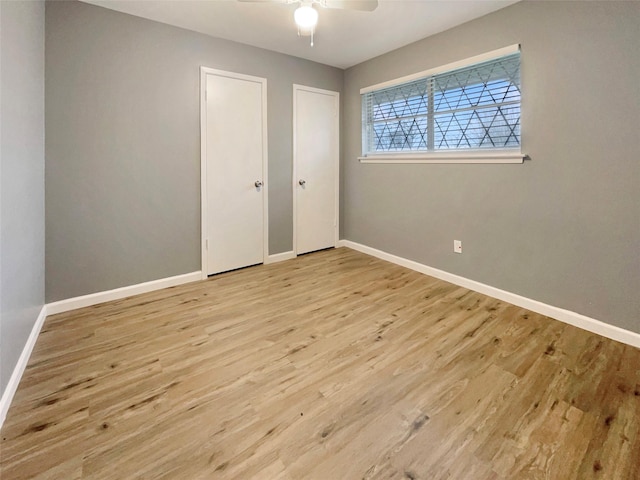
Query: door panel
[[234, 149], [316, 158]]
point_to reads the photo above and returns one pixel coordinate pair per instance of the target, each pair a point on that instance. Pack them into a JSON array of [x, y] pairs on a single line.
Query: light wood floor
[[332, 366]]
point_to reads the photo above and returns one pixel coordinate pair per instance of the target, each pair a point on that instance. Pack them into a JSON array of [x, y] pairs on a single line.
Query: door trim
[[336, 167], [204, 71]]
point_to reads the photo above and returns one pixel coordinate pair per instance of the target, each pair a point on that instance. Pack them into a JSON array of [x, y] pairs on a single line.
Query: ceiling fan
[[306, 17]]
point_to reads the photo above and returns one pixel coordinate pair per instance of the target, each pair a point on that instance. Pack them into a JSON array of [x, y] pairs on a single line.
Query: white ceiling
[[343, 37]]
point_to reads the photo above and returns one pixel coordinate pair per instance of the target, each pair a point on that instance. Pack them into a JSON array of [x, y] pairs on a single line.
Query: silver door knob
[[258, 184], [301, 182]]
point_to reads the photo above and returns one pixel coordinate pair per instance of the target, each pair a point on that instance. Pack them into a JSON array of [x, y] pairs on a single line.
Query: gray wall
[[21, 177], [123, 145], [563, 228]]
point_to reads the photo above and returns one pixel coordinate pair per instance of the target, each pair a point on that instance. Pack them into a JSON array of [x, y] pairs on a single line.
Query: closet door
[[235, 170], [316, 156]]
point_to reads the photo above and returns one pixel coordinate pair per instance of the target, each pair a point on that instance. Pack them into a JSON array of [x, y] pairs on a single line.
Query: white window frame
[[486, 155]]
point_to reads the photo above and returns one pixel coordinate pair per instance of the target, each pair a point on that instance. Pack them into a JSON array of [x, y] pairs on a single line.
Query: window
[[467, 111]]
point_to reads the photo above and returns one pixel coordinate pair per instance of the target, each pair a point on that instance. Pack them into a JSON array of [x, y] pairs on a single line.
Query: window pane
[[489, 127], [397, 117], [402, 107], [400, 101], [497, 81], [401, 135]]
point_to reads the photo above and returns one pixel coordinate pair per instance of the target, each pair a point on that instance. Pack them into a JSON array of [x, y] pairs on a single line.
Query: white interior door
[[235, 135], [316, 156]]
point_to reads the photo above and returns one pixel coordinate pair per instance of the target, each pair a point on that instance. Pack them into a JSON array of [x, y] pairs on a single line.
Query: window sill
[[446, 157]]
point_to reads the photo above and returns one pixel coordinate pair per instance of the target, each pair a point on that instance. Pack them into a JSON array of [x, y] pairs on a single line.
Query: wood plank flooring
[[335, 365]]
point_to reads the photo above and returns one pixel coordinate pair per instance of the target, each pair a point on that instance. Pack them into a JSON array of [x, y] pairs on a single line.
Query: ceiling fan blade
[[363, 5]]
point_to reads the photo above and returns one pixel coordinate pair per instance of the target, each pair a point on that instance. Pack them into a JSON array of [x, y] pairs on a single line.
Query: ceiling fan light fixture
[[306, 18]]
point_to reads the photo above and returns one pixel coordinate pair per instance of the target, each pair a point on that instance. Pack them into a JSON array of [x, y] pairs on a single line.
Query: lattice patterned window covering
[[472, 108]]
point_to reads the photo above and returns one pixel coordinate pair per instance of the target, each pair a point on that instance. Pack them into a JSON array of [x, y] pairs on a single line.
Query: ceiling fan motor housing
[[306, 18]]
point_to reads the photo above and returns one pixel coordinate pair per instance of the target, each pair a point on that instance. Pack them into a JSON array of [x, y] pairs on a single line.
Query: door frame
[[204, 71], [336, 167]]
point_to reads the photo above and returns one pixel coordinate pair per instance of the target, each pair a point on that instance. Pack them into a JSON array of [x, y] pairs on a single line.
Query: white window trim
[[459, 156], [493, 156]]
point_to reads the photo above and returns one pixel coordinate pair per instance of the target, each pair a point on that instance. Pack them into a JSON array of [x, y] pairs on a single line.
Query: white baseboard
[[566, 316], [279, 257], [118, 293], [14, 380]]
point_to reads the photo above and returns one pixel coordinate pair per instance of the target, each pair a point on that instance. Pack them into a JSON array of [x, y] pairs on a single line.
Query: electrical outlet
[[457, 246]]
